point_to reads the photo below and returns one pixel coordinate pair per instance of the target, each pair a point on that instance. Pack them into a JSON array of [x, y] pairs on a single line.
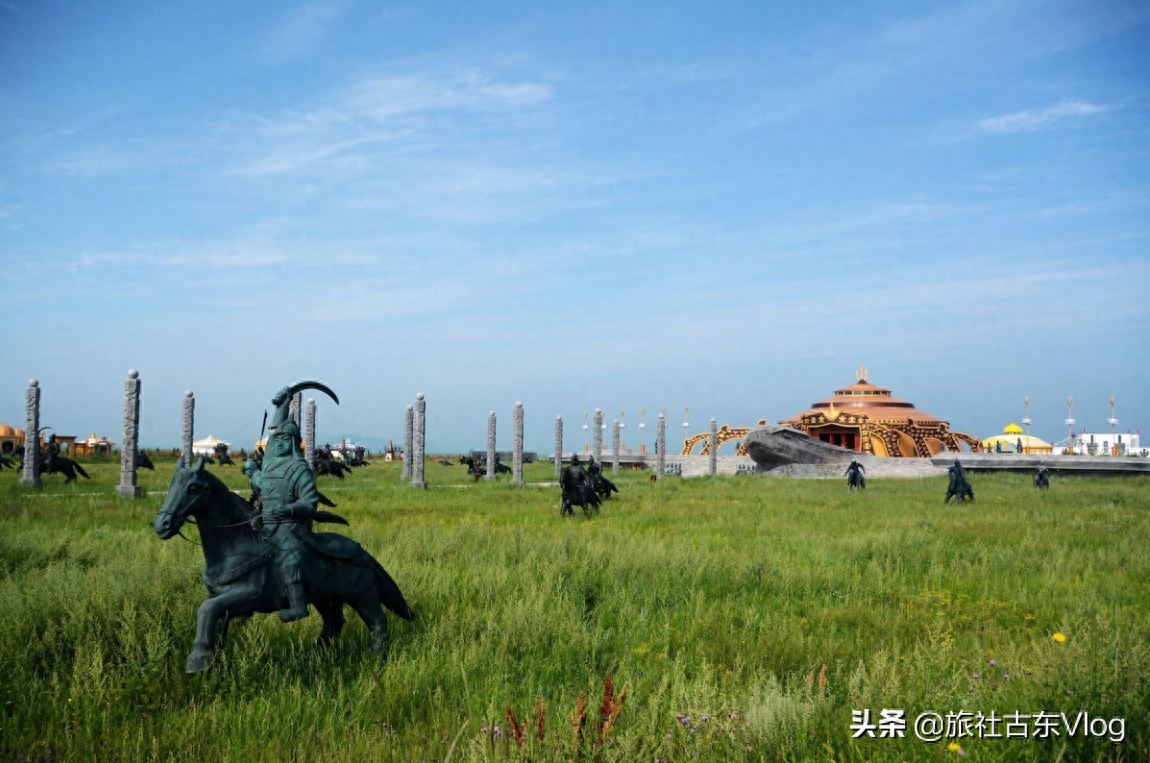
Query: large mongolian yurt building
[[869, 419], [10, 438]]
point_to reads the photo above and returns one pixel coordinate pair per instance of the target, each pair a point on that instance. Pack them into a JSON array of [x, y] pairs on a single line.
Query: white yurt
[[207, 446]]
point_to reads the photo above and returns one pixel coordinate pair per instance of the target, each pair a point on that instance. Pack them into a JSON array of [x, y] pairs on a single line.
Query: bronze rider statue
[[287, 498]]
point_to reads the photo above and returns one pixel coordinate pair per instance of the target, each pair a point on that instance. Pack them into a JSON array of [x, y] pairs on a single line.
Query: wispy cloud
[[1038, 119], [300, 30]]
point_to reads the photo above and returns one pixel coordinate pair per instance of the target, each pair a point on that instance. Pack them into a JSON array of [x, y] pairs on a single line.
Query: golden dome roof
[[875, 402], [6, 431]]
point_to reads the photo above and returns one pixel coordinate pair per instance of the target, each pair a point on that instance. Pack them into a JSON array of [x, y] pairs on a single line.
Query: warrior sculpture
[[288, 497], [856, 476], [51, 453], [959, 488], [1042, 476]]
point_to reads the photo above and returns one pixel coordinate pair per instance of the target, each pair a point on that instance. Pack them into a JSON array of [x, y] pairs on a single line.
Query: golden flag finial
[[861, 374]]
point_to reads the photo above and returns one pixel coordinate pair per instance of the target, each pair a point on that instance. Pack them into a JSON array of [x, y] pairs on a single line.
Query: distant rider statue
[[287, 499], [856, 475], [51, 450]]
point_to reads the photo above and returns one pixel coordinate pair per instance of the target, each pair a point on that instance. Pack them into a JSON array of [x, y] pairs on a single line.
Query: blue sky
[[729, 206]]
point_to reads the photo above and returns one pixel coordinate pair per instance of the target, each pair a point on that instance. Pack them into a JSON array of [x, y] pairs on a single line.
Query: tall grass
[[746, 617]]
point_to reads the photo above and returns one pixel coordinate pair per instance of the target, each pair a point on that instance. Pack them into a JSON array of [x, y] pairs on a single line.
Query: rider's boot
[[297, 604]]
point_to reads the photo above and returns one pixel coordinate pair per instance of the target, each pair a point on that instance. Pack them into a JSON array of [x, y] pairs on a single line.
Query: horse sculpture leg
[[211, 621], [333, 621], [370, 611]]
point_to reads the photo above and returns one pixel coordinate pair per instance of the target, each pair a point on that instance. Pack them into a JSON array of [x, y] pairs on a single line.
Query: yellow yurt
[[1010, 438], [10, 437]]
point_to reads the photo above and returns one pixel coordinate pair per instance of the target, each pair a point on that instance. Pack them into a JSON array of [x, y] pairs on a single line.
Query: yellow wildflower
[[1059, 637], [953, 747]]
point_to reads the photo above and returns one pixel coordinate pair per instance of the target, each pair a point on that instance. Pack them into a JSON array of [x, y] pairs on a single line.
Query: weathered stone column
[[31, 476], [188, 434], [419, 429], [294, 409], [309, 434], [713, 466], [408, 441], [597, 437], [558, 445], [661, 446], [517, 446], [491, 447], [615, 447], [130, 446]]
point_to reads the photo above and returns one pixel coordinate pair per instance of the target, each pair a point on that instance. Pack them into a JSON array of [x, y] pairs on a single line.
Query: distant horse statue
[[577, 490], [959, 488], [603, 487], [222, 455], [856, 477], [6, 462], [325, 463], [240, 573], [143, 461], [1042, 476], [474, 468]]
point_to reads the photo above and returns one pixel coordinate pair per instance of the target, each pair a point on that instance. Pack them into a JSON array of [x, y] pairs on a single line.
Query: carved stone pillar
[[597, 436], [558, 445], [491, 447], [615, 447], [130, 445], [517, 446], [419, 429], [31, 476], [713, 465], [408, 441], [309, 434], [188, 433], [661, 446], [294, 409]]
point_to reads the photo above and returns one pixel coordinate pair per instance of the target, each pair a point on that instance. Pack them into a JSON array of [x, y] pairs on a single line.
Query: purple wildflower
[[992, 663], [706, 718], [1006, 677], [498, 733], [975, 676]]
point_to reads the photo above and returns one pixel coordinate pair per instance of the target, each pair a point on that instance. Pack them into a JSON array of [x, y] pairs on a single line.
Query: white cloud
[[1037, 119]]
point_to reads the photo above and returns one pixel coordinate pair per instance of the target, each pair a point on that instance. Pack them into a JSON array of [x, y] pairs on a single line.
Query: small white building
[[207, 446], [1107, 444]]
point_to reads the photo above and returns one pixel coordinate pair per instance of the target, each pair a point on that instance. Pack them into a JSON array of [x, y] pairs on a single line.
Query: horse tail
[[389, 594], [80, 469]]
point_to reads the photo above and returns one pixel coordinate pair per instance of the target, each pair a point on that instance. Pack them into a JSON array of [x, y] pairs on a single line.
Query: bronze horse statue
[[239, 570], [578, 489], [61, 465]]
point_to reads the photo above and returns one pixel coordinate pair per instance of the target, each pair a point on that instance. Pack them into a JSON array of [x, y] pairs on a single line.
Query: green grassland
[[746, 616]]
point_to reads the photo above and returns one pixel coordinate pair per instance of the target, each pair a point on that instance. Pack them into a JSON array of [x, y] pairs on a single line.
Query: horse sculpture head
[[188, 487]]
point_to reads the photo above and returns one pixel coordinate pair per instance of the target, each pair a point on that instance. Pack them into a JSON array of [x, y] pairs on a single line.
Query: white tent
[[207, 446]]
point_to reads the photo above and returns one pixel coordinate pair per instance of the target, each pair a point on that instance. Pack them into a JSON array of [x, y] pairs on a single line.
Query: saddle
[[332, 545]]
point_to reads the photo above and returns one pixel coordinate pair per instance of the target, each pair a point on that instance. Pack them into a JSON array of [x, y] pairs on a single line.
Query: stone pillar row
[[31, 476], [615, 447], [309, 434], [130, 445], [187, 434], [490, 476], [408, 441], [419, 440], [517, 446]]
